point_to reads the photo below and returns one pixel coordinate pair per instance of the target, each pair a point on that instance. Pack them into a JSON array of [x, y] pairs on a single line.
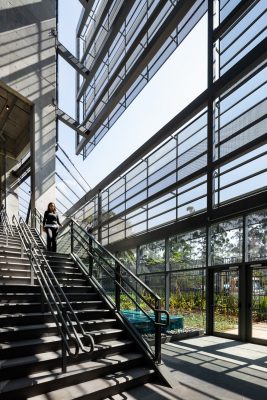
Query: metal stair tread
[[12, 264], [22, 278], [20, 304], [32, 342], [49, 339], [13, 257], [40, 314], [50, 355], [99, 384], [23, 328], [73, 369]]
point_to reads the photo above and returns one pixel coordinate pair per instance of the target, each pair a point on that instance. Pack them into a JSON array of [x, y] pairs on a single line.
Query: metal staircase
[[32, 352]]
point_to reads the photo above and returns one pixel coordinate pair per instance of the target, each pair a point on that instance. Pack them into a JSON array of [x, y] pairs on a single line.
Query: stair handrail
[[37, 220], [62, 311], [119, 278], [7, 227]]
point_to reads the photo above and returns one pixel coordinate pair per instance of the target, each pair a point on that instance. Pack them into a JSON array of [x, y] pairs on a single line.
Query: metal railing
[[67, 322], [7, 227], [37, 221], [117, 284]]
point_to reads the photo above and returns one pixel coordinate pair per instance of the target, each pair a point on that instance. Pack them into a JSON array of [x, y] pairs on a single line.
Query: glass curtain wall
[[176, 270], [200, 189]]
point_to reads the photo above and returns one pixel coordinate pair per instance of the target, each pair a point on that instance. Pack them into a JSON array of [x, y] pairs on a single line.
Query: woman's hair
[[50, 204]]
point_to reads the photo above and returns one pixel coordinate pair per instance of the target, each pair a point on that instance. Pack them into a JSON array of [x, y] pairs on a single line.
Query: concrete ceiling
[[15, 115]]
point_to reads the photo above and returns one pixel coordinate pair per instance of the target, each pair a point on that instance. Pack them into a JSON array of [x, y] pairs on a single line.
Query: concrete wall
[[28, 65]]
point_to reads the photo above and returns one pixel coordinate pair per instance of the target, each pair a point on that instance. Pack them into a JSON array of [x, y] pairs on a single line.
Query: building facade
[[187, 210]]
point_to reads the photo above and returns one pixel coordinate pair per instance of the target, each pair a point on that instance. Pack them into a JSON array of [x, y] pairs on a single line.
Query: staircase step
[[18, 280], [23, 332], [57, 256], [54, 261], [99, 388], [66, 275], [20, 289], [61, 268], [72, 282], [20, 319], [78, 289], [11, 252], [16, 270], [12, 308], [14, 298], [11, 367], [43, 343], [77, 374], [14, 259]]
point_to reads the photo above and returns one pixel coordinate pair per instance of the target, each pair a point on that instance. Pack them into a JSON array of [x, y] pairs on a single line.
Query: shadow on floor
[[211, 368]]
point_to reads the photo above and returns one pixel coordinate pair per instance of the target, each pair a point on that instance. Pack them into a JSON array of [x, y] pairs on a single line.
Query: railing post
[[71, 237], [40, 224], [157, 333], [117, 287], [31, 261], [63, 347], [91, 261]]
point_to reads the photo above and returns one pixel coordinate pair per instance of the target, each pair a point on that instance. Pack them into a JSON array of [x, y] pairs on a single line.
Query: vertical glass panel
[[152, 257], [259, 303], [225, 300], [257, 236], [128, 259], [187, 298], [226, 242], [156, 282], [188, 250]]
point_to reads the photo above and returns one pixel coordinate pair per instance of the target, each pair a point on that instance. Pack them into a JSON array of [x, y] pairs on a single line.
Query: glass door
[[226, 301], [259, 302]]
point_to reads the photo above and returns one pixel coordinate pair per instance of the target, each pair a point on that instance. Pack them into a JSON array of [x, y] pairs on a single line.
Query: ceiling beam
[[72, 60], [71, 123]]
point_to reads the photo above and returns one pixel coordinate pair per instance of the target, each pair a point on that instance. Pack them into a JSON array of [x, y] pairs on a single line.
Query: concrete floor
[[209, 367]]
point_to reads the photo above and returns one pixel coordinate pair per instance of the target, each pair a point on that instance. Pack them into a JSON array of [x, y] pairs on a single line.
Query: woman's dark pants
[[51, 239]]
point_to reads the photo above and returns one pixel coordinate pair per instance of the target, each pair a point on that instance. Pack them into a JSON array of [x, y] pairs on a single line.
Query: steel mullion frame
[[189, 137], [240, 100], [62, 180], [165, 176], [67, 169], [243, 6], [164, 191], [241, 33], [244, 179], [238, 71], [155, 44], [243, 163], [242, 81], [63, 194], [123, 62], [240, 50], [97, 28], [58, 201], [230, 137], [236, 209], [84, 16], [246, 148], [118, 22]]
